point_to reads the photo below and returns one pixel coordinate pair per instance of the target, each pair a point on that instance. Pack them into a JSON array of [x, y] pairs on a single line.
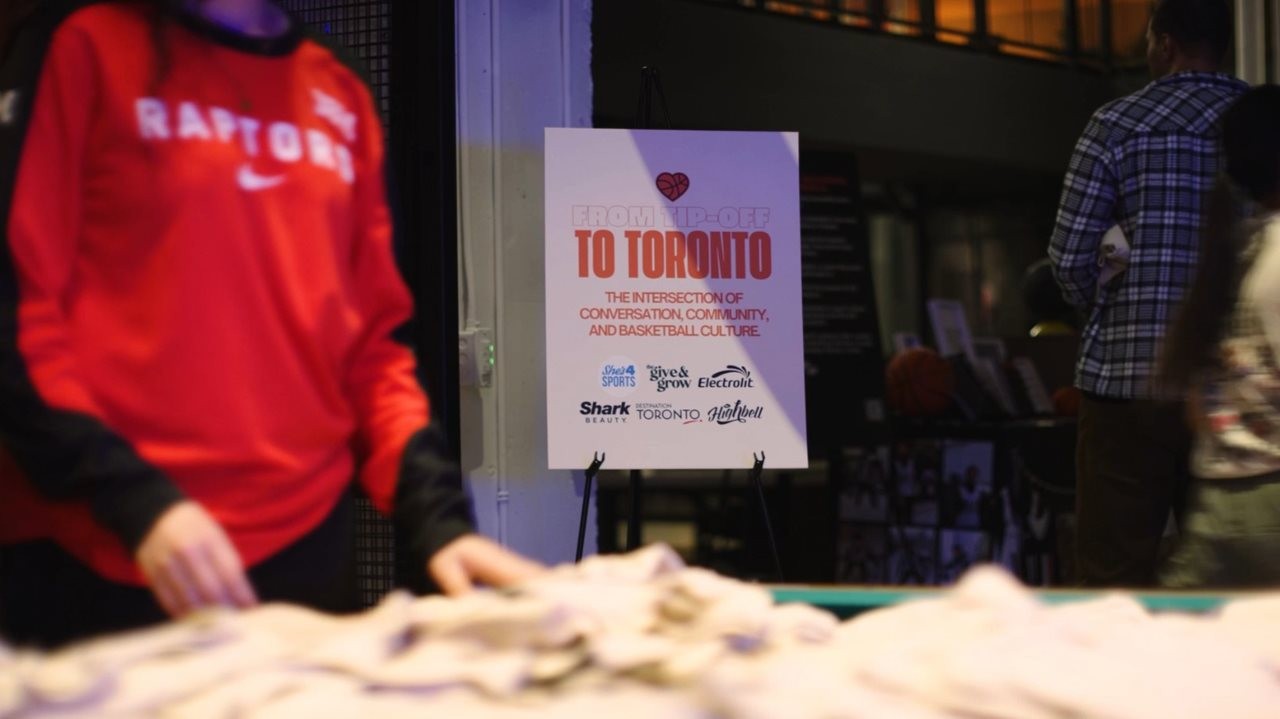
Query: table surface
[[846, 601]]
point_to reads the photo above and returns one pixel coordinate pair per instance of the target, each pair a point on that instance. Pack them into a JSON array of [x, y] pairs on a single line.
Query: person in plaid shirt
[[1145, 163]]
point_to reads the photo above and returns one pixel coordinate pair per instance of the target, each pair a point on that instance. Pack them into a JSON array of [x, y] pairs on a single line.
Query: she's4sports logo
[[618, 376]]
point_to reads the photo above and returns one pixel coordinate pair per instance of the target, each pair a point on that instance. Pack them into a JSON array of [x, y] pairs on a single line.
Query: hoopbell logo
[[668, 378], [731, 377], [618, 376], [736, 412]]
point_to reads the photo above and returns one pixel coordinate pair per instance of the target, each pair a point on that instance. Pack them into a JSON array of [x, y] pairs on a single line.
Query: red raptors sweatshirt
[[198, 294]]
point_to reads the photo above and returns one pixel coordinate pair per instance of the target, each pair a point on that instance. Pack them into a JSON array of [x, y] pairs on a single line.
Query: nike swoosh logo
[[251, 181]]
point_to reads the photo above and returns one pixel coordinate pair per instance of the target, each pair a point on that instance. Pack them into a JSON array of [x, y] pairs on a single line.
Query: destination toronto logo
[[734, 413], [650, 412]]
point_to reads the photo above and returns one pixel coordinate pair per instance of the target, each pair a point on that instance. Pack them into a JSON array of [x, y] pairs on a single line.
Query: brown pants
[[1131, 470]]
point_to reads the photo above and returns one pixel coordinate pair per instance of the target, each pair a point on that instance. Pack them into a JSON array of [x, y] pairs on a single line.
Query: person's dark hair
[[13, 13], [1251, 167], [160, 16], [1203, 27]]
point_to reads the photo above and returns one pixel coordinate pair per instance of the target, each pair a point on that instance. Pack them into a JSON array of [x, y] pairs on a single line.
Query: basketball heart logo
[[673, 185]]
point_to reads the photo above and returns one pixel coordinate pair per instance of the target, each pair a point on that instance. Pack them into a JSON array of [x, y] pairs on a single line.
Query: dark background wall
[[727, 68], [961, 151]]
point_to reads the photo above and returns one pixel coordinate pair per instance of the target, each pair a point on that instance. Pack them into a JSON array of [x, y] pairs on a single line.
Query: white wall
[[1273, 41], [522, 65], [1252, 36]]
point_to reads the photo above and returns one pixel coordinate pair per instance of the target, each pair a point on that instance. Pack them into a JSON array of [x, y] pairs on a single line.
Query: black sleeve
[[66, 455], [431, 506]]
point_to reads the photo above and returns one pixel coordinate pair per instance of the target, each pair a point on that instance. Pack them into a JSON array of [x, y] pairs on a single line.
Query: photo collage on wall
[[922, 511]]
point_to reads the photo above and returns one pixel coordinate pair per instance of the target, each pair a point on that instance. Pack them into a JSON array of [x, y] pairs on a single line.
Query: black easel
[[591, 471], [756, 470], [633, 520], [651, 87], [634, 515]]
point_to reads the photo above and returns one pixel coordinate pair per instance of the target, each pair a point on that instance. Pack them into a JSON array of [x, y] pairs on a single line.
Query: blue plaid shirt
[[1145, 162]]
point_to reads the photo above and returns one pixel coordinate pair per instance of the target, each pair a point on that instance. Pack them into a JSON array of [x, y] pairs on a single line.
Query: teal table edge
[[848, 601]]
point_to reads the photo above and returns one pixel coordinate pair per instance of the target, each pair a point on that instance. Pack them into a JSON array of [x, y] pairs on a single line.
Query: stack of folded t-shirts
[[642, 635], [625, 635], [988, 648]]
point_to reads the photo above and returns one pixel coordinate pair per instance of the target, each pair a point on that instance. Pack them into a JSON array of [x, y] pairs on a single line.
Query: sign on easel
[[673, 305]]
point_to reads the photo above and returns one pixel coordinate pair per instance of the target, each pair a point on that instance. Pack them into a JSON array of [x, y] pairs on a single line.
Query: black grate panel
[[375, 553], [364, 27]]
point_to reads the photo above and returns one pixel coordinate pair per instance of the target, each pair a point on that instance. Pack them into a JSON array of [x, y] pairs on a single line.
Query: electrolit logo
[[731, 377]]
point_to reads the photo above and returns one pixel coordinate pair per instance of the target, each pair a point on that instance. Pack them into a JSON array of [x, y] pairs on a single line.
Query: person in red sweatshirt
[[199, 308]]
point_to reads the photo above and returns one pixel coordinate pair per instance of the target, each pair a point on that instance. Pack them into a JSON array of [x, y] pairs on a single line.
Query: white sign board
[[674, 333]]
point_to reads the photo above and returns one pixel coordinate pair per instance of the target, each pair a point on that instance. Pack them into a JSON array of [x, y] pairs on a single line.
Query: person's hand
[[190, 563], [472, 559]]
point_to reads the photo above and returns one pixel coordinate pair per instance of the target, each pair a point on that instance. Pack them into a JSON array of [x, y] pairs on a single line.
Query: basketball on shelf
[[1066, 401], [919, 383]]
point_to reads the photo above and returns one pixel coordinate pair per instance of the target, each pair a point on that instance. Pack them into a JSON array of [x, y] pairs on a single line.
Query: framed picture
[[913, 555], [865, 494], [989, 355], [959, 549], [950, 327], [968, 481], [861, 554], [991, 376], [905, 341], [991, 348], [915, 472], [1003, 530], [1029, 377]]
